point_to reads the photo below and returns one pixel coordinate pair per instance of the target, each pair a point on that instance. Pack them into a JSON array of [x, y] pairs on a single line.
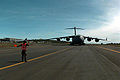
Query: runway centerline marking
[[2, 68], [110, 49]]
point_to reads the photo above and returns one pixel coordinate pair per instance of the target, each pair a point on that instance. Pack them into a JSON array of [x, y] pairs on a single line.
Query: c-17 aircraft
[[78, 39]]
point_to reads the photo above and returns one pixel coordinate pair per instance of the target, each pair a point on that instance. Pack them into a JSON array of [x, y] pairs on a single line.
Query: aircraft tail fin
[[75, 28]]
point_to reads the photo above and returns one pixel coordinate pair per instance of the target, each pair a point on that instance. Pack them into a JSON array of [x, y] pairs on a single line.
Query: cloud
[[110, 30]]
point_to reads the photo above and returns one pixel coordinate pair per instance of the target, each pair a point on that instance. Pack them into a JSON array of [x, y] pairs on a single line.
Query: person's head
[[24, 42]]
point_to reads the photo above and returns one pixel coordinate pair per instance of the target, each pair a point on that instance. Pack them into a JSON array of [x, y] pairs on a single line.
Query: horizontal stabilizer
[[75, 28]]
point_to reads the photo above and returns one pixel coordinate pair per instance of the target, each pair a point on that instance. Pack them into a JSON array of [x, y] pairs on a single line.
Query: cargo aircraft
[[78, 39]]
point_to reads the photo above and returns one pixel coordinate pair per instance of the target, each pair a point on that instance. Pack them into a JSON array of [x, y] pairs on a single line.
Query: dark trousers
[[24, 55]]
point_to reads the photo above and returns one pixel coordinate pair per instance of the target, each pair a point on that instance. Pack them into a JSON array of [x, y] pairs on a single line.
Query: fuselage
[[78, 40]]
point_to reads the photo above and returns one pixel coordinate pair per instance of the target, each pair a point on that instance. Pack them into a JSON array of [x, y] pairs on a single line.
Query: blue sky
[[49, 18]]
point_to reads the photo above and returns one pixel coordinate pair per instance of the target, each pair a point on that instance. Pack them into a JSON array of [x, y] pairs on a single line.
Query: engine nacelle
[[67, 39], [89, 39], [58, 39], [96, 40]]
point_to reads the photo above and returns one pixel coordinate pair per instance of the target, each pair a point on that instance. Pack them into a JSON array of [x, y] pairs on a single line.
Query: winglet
[[106, 39]]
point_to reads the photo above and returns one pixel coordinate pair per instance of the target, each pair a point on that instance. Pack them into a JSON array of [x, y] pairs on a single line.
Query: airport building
[[10, 40]]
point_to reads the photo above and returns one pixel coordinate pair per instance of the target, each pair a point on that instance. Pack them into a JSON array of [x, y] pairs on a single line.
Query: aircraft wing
[[88, 38], [91, 38], [63, 37], [66, 37]]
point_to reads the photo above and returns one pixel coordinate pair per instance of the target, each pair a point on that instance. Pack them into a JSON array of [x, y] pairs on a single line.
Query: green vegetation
[[34, 41], [49, 42], [7, 44]]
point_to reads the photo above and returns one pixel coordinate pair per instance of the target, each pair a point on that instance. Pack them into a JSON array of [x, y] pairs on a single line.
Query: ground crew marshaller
[[24, 48]]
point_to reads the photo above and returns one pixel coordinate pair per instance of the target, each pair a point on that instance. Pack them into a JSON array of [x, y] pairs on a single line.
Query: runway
[[46, 62]]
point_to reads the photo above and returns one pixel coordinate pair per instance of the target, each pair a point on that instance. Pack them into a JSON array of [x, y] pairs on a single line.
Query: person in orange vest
[[24, 48]]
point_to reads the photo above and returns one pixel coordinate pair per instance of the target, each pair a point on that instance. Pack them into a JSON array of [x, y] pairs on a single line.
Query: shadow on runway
[[14, 61]]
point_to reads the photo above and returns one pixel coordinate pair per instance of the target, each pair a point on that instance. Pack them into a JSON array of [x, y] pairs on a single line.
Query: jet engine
[[67, 39], [89, 39], [96, 40], [58, 39]]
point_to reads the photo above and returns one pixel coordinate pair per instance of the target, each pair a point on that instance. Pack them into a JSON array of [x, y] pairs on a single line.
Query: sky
[[49, 18]]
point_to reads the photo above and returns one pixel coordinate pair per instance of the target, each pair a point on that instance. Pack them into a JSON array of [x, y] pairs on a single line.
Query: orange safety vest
[[24, 46]]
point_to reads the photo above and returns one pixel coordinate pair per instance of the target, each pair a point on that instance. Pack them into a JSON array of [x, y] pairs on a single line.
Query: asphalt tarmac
[[47, 62]]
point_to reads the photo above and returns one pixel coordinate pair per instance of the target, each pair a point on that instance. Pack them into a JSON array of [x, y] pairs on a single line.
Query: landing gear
[[79, 44], [72, 44]]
